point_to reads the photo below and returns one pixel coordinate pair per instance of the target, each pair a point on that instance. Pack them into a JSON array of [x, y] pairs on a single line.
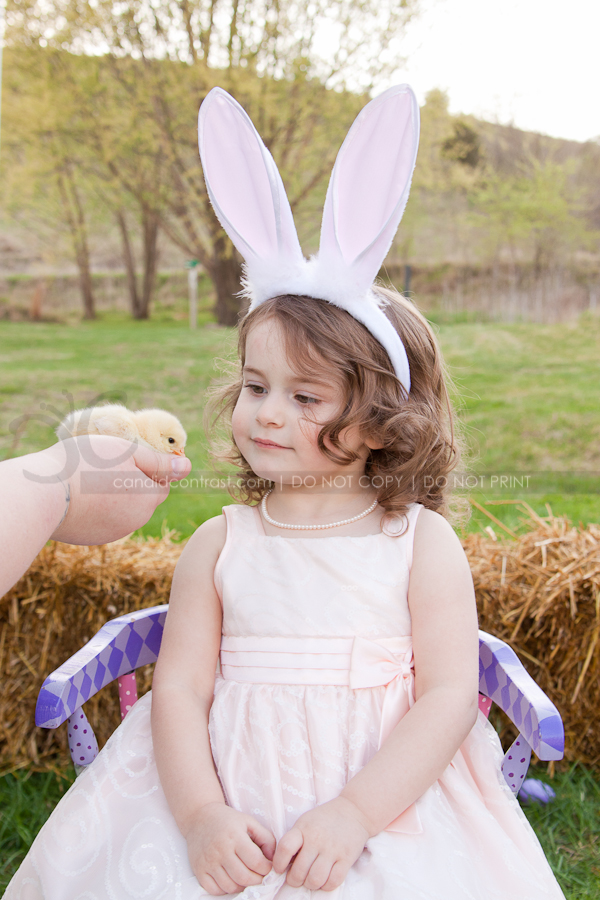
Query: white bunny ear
[[246, 190], [366, 198], [369, 186]]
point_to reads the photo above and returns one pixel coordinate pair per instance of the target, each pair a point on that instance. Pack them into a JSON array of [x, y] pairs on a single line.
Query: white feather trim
[[264, 279]]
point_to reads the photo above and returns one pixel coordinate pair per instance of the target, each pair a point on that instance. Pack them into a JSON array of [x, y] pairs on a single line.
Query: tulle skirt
[[281, 750]]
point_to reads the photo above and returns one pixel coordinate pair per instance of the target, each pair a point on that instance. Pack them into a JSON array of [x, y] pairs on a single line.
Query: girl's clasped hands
[[229, 850]]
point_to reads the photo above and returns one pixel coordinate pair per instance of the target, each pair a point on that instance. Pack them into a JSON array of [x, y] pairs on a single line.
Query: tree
[[129, 170], [463, 145], [74, 213], [44, 143], [535, 211], [448, 165], [269, 54]]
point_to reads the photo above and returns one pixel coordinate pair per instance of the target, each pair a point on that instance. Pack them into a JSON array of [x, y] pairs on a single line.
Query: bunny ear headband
[[365, 200]]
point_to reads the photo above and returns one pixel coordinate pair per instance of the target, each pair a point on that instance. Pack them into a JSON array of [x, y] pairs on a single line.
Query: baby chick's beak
[[179, 452]]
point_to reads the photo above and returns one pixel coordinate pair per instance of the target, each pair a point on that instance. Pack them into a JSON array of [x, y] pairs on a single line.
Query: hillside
[[500, 222]]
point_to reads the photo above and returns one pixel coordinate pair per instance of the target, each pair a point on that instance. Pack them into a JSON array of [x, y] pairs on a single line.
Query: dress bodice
[[325, 586]]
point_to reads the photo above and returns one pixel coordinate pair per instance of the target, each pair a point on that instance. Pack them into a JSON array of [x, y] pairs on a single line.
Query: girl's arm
[[446, 653], [224, 846]]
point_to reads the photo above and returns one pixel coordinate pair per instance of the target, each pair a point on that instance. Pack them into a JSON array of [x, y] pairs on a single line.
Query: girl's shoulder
[[213, 528], [430, 522], [208, 539], [436, 539], [213, 535]]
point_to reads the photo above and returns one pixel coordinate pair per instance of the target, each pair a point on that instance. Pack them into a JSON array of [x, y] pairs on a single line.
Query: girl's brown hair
[[420, 444]]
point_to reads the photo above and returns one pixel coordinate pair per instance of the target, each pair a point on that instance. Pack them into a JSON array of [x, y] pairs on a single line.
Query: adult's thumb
[[161, 467]]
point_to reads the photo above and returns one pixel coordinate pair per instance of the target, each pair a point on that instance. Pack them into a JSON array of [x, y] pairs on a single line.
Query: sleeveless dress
[[316, 668]]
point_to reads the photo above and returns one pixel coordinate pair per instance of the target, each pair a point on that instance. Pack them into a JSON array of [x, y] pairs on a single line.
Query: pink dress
[[324, 622]]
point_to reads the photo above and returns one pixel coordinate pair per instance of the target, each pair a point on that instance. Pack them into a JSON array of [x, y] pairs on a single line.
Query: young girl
[[339, 748]]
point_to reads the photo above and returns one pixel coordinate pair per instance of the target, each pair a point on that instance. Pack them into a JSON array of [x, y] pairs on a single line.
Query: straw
[[66, 596], [540, 592]]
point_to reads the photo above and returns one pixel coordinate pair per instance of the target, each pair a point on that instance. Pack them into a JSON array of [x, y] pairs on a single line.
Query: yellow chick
[[155, 428], [161, 430]]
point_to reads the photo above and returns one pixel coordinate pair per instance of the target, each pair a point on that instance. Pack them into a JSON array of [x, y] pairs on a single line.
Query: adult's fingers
[[263, 838], [161, 467], [287, 847]]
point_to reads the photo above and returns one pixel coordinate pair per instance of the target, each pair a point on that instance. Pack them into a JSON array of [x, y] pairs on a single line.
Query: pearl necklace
[[271, 521]]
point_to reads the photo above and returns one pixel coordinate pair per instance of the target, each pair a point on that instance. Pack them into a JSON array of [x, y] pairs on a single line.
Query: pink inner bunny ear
[[370, 183], [243, 182]]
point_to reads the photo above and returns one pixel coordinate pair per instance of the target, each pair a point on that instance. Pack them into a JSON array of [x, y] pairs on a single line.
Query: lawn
[[527, 397], [528, 401]]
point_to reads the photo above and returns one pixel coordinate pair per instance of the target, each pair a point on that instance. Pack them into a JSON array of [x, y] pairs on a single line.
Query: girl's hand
[[228, 850], [326, 842]]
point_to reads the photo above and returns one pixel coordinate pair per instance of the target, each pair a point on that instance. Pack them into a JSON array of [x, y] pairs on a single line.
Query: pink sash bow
[[355, 662]]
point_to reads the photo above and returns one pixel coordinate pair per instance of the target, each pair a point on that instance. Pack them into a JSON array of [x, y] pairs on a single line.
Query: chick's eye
[[171, 440]]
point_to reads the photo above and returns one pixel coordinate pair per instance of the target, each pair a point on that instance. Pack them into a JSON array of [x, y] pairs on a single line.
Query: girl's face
[[270, 424]]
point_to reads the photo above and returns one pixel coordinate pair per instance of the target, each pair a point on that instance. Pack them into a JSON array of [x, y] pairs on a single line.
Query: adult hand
[[323, 844], [86, 490], [114, 486], [228, 850]]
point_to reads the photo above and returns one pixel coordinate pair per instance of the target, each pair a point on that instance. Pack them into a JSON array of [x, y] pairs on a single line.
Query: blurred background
[[103, 201], [106, 228]]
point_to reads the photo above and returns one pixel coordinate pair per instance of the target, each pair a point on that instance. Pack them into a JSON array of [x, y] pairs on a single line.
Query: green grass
[[155, 363], [528, 399], [529, 402], [530, 393], [26, 801], [567, 827]]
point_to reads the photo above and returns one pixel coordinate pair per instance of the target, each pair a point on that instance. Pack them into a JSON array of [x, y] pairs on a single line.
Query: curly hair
[[420, 444]]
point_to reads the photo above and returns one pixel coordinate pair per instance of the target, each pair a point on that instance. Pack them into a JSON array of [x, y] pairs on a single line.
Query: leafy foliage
[[123, 83]]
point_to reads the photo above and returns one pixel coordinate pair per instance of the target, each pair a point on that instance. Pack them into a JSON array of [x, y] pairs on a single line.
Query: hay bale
[[65, 597], [539, 591]]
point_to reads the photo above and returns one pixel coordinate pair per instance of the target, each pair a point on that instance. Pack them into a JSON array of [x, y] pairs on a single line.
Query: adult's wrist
[[34, 502], [41, 484]]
